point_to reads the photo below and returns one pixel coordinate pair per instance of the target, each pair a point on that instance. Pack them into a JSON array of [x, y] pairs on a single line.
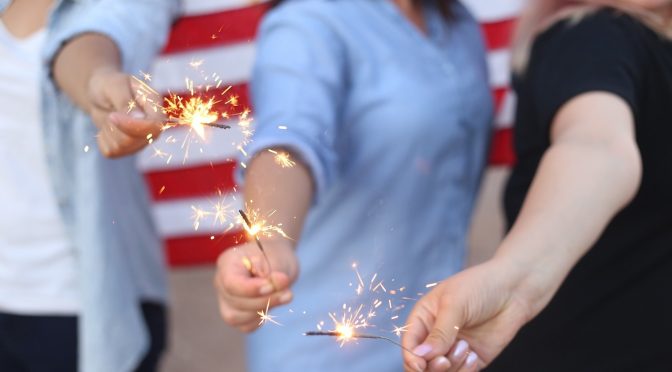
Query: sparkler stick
[[250, 229], [357, 336], [217, 124]]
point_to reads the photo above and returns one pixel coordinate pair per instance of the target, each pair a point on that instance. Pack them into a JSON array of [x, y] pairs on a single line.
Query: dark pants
[[49, 343]]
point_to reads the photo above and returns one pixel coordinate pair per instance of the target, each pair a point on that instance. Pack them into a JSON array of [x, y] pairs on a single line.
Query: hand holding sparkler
[[246, 289], [126, 121], [464, 322]]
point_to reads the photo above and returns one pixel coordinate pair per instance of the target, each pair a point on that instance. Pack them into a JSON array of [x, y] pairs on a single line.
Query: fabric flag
[[217, 38]]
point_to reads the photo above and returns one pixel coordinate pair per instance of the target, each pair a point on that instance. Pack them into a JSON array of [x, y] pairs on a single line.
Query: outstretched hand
[[245, 286], [125, 121], [465, 321]]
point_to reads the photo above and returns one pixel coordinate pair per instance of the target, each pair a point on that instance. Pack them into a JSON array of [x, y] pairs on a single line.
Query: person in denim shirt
[[82, 279], [386, 109]]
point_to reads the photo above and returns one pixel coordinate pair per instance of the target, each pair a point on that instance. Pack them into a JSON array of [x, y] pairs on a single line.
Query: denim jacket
[[104, 203]]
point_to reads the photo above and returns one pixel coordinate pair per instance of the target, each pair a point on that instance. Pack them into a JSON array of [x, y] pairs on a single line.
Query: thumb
[[136, 124], [443, 333]]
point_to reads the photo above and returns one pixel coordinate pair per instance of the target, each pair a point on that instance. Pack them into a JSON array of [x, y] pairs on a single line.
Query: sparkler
[[348, 333], [253, 230]]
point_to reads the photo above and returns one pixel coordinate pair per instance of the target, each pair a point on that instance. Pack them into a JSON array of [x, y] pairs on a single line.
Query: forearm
[[78, 60], [578, 189], [282, 195]]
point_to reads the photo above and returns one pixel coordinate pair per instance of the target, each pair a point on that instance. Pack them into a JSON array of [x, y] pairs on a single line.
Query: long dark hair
[[443, 5]]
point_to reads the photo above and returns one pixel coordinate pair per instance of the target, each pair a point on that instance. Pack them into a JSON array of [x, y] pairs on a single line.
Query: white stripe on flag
[[176, 218], [498, 65], [232, 63], [494, 10], [218, 146], [507, 113]]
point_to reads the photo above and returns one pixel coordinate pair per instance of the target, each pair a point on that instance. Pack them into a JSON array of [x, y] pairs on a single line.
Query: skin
[[88, 70], [289, 192], [590, 172]]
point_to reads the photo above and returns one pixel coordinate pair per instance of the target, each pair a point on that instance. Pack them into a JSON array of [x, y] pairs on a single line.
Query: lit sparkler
[[349, 334], [253, 230]]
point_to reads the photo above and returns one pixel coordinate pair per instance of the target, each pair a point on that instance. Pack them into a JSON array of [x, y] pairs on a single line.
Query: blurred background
[[218, 37]]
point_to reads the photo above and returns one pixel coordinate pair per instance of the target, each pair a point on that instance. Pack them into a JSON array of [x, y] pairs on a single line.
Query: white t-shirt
[[37, 259]]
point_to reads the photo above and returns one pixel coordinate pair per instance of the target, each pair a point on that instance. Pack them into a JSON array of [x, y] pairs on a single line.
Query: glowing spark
[[233, 100], [430, 285], [282, 159], [86, 148], [146, 76], [196, 63], [194, 112], [131, 106], [265, 317], [399, 330], [163, 188], [282, 127]]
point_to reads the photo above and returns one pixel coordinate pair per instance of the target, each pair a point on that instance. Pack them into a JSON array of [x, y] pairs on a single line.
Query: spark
[[131, 105], [282, 159], [194, 111], [265, 317], [399, 330], [430, 285], [196, 63], [146, 76]]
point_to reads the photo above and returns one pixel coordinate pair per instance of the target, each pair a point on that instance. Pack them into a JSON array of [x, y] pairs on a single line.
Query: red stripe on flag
[[498, 34], [190, 182], [200, 250], [501, 150], [215, 29], [499, 94], [232, 100]]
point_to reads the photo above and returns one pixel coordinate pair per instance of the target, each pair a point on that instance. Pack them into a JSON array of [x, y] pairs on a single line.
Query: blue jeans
[[49, 343]]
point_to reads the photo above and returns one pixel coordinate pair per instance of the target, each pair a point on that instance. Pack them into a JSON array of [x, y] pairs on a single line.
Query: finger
[[257, 303], [440, 364], [148, 100], [235, 317], [419, 324], [136, 124], [471, 363], [458, 354], [443, 332]]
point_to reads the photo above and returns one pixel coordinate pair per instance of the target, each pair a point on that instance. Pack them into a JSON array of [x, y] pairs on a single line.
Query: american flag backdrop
[[220, 34]]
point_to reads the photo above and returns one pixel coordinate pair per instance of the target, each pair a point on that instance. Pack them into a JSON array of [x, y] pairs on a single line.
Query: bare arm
[[286, 191], [590, 172]]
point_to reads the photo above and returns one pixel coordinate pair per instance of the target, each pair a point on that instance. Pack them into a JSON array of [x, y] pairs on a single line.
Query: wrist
[[525, 282]]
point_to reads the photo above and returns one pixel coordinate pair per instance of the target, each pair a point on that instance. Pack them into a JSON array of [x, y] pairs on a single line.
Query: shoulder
[[322, 16], [600, 30]]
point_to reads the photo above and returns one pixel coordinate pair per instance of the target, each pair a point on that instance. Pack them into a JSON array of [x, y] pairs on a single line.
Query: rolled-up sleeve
[[298, 87], [138, 27]]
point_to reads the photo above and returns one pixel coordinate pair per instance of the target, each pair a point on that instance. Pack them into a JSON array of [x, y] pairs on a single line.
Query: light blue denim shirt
[[104, 202], [394, 126]]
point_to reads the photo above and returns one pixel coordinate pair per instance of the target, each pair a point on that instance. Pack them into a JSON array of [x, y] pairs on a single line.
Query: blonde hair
[[541, 14]]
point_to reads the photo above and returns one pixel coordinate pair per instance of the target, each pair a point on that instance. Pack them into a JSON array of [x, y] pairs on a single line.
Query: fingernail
[[460, 349], [422, 350], [285, 297], [442, 363], [471, 360], [137, 114], [266, 289]]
